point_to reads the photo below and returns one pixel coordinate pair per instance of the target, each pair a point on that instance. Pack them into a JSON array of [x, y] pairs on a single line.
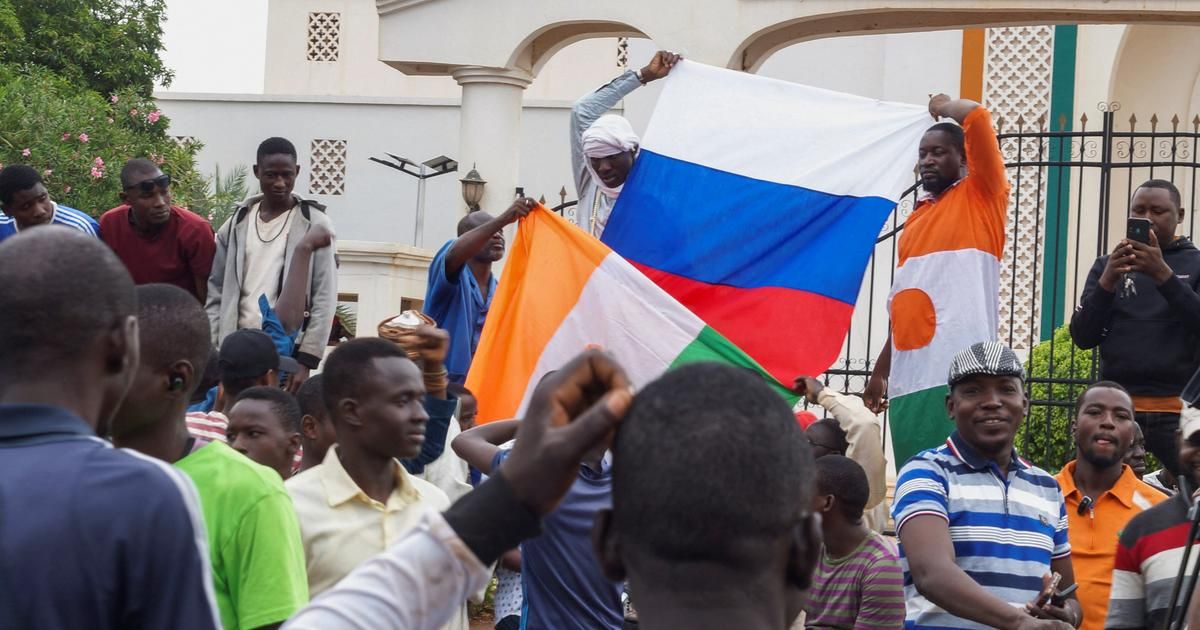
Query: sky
[[216, 45]]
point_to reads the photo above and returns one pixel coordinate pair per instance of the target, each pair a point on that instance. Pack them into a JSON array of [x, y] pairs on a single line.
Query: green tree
[[1045, 438], [110, 46], [80, 139]]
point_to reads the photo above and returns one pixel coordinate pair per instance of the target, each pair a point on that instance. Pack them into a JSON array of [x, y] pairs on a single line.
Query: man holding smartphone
[[1141, 306]]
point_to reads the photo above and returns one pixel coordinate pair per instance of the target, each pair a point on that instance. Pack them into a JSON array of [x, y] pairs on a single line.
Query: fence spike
[[1020, 122], [562, 193], [1153, 122], [1196, 121], [1132, 120], [1175, 122], [1062, 122], [542, 200], [1042, 121], [1000, 124]]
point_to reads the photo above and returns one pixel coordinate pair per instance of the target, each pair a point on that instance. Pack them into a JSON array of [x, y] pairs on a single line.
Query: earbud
[[176, 383]]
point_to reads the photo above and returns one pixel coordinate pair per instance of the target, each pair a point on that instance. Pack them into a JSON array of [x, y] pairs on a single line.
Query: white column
[[490, 130]]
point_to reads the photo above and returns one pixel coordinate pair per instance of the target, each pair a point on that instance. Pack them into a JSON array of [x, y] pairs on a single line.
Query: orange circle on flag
[[914, 320]]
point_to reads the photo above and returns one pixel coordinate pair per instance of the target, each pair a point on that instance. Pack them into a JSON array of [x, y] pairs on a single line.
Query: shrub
[[80, 139], [1045, 438]]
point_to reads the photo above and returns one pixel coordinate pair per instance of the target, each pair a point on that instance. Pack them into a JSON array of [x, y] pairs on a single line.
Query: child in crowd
[[264, 425]]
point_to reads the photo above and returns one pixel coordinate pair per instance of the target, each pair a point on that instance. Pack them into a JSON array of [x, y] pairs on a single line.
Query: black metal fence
[[1071, 183]]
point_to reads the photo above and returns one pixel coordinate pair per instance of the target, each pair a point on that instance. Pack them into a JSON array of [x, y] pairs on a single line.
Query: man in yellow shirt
[[1101, 493], [360, 500]]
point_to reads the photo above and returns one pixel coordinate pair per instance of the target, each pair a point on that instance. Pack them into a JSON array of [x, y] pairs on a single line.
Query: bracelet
[[436, 381]]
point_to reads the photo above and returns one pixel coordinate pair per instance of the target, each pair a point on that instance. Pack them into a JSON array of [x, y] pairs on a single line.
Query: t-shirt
[[262, 267], [63, 215], [1007, 526], [254, 543], [178, 254], [864, 589], [458, 307], [1149, 552], [561, 578]]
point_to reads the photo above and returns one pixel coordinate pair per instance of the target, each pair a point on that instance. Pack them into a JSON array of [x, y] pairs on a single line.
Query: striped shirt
[[213, 426], [864, 589], [1005, 528], [63, 215], [1148, 556]]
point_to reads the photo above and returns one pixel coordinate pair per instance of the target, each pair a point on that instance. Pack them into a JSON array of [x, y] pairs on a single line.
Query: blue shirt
[[92, 536], [63, 215], [458, 307], [561, 578], [1005, 528]]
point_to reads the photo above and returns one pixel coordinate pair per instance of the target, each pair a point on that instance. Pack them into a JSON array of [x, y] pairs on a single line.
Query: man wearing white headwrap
[[604, 147]]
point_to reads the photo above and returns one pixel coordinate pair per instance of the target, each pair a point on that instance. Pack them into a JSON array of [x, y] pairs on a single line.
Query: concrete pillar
[[490, 130]]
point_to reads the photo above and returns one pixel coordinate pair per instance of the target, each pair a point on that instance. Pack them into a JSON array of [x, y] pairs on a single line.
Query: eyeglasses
[[147, 186]]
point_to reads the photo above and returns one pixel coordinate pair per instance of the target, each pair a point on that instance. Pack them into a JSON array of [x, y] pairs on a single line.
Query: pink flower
[[114, 98], [25, 153], [133, 112], [110, 121], [83, 137], [98, 162], [97, 172], [47, 173], [66, 136], [153, 116], [157, 159]]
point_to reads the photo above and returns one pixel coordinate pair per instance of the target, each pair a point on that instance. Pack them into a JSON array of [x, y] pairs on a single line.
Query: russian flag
[[756, 204]]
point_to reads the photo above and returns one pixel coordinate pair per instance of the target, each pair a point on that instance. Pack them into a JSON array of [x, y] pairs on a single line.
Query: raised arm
[[864, 439], [588, 108], [290, 305], [942, 106], [471, 242], [875, 395], [478, 446]]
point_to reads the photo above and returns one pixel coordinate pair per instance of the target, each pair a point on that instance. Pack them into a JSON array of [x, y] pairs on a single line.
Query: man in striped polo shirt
[[1152, 544], [979, 527], [26, 204]]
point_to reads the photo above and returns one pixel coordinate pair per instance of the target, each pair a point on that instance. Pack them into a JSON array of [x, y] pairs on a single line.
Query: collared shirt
[[391, 591], [342, 527], [457, 305], [63, 215], [1006, 528], [180, 253], [92, 536], [1094, 535]]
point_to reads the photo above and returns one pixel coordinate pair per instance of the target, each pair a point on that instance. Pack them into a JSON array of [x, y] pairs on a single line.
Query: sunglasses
[[147, 186]]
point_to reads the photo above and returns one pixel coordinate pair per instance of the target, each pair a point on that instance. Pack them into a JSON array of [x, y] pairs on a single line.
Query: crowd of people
[[178, 448]]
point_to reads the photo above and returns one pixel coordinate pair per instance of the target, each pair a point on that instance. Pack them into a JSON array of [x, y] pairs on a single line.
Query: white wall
[[216, 45]]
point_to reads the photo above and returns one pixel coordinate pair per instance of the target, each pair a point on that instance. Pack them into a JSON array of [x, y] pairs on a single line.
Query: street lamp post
[[432, 167]]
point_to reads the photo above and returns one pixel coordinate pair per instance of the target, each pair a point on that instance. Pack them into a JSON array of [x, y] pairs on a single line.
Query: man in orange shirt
[[1101, 492]]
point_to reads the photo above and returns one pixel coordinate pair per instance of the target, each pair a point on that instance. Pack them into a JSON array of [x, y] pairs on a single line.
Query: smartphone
[[1138, 230], [1047, 593]]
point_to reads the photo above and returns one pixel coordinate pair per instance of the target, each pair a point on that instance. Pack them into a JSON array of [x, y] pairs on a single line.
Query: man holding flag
[[956, 231]]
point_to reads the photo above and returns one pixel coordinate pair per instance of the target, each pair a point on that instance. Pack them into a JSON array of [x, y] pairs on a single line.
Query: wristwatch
[[638, 74]]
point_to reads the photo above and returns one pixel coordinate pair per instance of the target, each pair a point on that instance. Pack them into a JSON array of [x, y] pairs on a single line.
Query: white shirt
[[262, 267], [419, 583]]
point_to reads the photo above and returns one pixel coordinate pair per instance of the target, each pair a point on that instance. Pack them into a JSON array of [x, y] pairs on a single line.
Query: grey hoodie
[[225, 281]]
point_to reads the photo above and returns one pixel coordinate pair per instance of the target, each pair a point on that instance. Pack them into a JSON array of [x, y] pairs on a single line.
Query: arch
[[532, 53], [756, 48]]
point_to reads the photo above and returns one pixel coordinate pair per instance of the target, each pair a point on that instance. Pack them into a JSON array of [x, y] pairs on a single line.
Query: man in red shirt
[[158, 242]]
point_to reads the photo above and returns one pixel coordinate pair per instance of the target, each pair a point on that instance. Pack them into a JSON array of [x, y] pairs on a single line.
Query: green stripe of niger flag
[[711, 345], [918, 421]]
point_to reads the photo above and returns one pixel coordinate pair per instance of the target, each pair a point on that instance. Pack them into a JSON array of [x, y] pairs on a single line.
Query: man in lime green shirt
[[259, 575]]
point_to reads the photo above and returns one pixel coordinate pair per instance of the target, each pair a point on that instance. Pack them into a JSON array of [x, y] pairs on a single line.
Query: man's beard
[[1100, 461]]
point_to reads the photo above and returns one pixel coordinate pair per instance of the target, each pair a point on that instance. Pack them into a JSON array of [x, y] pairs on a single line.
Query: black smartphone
[[1138, 230]]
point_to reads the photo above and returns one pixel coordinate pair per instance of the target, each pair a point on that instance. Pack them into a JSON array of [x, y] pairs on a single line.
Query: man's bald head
[[472, 221], [62, 290]]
